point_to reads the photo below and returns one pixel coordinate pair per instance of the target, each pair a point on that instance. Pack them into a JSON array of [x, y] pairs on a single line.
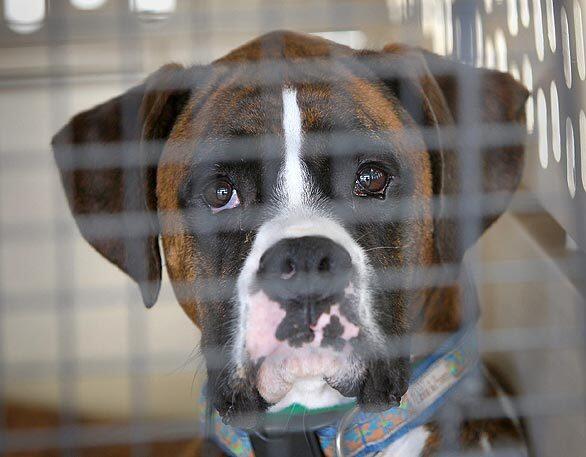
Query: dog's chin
[[317, 378], [304, 376], [312, 378]]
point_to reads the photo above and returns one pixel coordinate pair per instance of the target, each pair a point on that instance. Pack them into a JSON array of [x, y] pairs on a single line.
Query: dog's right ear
[[107, 157]]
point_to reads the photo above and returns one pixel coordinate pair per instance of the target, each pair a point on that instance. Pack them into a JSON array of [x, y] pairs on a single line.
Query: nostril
[[324, 265], [261, 265], [287, 268]]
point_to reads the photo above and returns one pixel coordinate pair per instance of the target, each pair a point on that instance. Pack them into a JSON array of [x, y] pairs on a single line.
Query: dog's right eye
[[371, 181], [220, 195]]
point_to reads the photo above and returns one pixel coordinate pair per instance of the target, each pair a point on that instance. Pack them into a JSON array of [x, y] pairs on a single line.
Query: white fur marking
[[485, 443], [293, 175], [410, 445], [312, 393]]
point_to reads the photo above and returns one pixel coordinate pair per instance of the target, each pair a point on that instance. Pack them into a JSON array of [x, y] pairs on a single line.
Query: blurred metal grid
[[115, 22]]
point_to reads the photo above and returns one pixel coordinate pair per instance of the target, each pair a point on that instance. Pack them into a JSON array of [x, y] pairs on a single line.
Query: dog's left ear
[[107, 157], [448, 99]]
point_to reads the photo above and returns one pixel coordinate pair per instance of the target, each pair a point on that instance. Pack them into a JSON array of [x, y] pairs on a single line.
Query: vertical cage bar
[[57, 37]]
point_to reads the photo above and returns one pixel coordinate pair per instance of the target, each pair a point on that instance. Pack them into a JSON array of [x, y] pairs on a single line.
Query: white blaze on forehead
[[294, 178]]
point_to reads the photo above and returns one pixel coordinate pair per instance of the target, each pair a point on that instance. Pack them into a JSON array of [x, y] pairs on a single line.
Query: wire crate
[[85, 369]]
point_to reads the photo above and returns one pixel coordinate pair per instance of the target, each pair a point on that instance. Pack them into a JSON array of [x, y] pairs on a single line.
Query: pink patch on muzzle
[[265, 315], [284, 364], [350, 330]]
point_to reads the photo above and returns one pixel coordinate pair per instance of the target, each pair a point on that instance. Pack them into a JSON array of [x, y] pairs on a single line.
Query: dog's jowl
[[306, 198]]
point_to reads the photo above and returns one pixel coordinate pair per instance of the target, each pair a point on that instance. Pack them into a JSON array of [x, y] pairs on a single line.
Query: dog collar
[[362, 433]]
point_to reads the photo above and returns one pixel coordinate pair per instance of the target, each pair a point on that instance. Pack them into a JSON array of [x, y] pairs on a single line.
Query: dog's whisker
[[194, 356], [196, 373], [382, 247], [361, 237]]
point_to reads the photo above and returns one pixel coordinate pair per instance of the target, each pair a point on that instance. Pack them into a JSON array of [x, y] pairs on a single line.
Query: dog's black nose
[[306, 268]]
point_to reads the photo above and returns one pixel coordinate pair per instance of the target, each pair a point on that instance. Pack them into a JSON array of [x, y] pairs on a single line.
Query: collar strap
[[300, 443], [432, 380]]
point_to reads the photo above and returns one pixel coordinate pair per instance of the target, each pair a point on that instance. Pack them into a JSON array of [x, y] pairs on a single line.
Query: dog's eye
[[371, 181], [220, 195]]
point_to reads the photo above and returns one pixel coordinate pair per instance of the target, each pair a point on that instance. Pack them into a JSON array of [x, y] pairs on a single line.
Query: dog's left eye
[[371, 181], [220, 195]]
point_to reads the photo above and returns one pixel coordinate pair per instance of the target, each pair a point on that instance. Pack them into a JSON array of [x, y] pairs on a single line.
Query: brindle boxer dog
[[287, 180]]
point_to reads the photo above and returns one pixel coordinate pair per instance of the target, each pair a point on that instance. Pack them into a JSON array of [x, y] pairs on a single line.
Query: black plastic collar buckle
[[296, 444], [292, 435]]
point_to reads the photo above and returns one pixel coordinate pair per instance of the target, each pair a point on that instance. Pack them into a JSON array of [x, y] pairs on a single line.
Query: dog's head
[[298, 187]]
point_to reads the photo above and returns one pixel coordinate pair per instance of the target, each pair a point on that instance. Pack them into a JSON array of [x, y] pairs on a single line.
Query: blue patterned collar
[[432, 380]]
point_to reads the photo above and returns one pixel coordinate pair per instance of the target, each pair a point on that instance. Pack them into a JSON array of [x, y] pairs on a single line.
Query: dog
[[307, 196]]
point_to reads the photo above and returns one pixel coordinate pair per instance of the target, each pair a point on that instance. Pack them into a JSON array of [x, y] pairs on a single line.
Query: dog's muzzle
[[302, 319]]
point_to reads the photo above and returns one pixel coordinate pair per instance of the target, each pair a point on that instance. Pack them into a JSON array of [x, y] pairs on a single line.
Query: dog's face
[[298, 188], [291, 194]]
